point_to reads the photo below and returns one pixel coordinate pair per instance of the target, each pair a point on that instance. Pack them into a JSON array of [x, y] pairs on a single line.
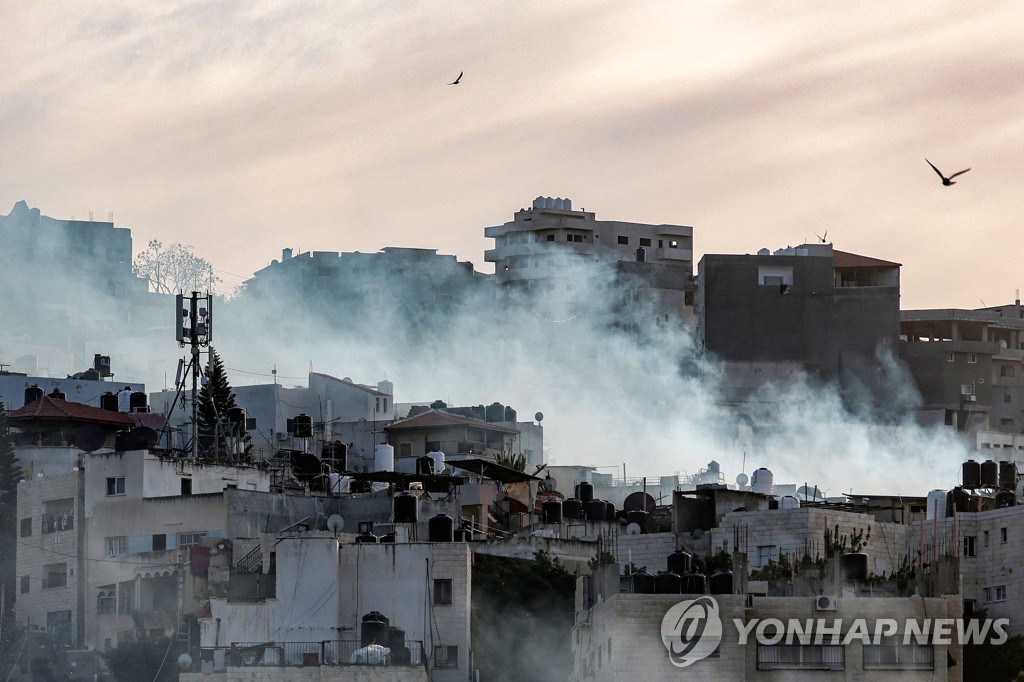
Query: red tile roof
[[852, 260], [51, 409], [437, 419]]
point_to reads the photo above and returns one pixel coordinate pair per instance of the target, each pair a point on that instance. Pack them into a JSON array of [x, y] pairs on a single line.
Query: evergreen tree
[[10, 475], [215, 399]]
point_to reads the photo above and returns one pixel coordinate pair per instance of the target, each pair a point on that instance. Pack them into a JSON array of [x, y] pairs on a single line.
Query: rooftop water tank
[[721, 582], [303, 426], [668, 583], [855, 566], [552, 511], [693, 583], [441, 528], [138, 402], [763, 482], [643, 582], [383, 457], [788, 502], [989, 474], [936, 505], [679, 562], [407, 508], [573, 509], [1008, 475], [972, 474], [584, 491], [376, 629], [108, 401]]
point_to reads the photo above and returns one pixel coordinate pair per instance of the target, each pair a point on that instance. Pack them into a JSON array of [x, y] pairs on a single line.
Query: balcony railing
[[328, 652], [56, 522]]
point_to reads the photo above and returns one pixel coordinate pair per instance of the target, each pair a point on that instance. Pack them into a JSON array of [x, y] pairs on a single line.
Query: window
[[115, 486], [55, 575], [1006, 370], [1007, 397], [186, 486], [106, 600], [972, 359], [772, 280], [800, 657], [443, 592], [159, 542], [1002, 535], [58, 623], [985, 535], [116, 546], [992, 594], [58, 515], [673, 244], [951, 357], [26, 527], [551, 237], [766, 553], [892, 654], [623, 239], [186, 539], [644, 241], [446, 656], [969, 545], [1006, 423], [25, 581]]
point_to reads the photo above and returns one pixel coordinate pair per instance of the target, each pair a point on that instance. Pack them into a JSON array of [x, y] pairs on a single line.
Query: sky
[[243, 128]]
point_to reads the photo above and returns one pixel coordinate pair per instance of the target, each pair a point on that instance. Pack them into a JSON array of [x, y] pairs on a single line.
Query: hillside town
[[444, 504]]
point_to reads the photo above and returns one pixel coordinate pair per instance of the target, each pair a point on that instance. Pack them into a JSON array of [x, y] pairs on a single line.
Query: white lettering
[[942, 633], [859, 630], [801, 631], [972, 631], [884, 627], [914, 628], [744, 630], [780, 631], [822, 630], [999, 625]]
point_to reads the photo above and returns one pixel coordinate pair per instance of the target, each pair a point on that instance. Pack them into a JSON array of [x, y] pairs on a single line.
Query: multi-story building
[[969, 369], [804, 310]]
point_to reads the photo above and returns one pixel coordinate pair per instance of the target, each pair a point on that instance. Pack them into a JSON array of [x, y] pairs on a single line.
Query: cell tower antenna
[[194, 328]]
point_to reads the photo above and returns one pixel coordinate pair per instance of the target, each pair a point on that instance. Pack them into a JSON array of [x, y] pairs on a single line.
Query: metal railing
[[327, 652], [251, 562], [54, 522]]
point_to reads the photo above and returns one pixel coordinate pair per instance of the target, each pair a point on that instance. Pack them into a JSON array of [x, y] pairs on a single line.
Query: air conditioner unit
[[283, 435], [826, 603], [970, 398]]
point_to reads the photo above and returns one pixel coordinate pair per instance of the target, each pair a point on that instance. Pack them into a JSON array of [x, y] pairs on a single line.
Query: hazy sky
[[243, 128]]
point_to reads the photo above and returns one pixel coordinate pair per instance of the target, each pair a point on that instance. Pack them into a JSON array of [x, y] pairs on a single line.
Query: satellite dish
[[335, 523], [633, 529], [809, 494], [184, 661], [88, 437], [638, 500], [539, 417], [742, 480]]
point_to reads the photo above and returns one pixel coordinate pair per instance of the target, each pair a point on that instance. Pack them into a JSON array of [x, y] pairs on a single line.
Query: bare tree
[[173, 269]]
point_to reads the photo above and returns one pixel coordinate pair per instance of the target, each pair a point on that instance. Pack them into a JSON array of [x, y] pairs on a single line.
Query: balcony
[[677, 254], [56, 522]]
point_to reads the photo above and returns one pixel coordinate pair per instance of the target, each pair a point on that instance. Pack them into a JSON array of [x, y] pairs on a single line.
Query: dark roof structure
[[54, 410], [439, 419]]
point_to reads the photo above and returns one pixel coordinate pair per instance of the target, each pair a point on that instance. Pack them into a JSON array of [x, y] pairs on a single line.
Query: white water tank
[[438, 458], [936, 502], [383, 457], [788, 502], [538, 202], [762, 482]]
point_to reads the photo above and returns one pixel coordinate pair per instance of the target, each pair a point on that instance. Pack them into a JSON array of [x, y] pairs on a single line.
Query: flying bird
[[946, 181], [456, 81], [822, 237]]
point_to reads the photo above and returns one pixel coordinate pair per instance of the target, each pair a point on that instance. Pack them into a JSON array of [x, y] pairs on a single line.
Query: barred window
[[892, 654], [800, 657]]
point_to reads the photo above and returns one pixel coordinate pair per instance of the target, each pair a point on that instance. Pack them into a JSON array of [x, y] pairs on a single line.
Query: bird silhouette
[[456, 81], [946, 181], [822, 237]]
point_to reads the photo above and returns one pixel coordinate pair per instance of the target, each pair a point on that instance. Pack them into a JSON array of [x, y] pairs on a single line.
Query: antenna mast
[[195, 329]]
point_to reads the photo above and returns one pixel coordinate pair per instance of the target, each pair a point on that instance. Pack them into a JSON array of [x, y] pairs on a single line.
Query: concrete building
[[807, 310], [339, 409], [969, 369], [440, 431], [13, 387]]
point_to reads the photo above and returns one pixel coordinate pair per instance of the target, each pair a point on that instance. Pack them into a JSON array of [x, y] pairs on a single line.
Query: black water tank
[[957, 499], [58, 394], [400, 654], [552, 511], [387, 537], [101, 364], [236, 415], [121, 441], [336, 453], [573, 509], [358, 486], [495, 412], [639, 517], [584, 492], [855, 566], [463, 535], [1006, 498], [303, 426], [693, 583], [441, 528], [773, 503], [108, 401], [376, 629], [643, 582], [368, 538], [609, 511], [1008, 475], [137, 402], [972, 474], [596, 510], [425, 466], [721, 581], [989, 474], [510, 414], [668, 583], [407, 508], [32, 394], [679, 562]]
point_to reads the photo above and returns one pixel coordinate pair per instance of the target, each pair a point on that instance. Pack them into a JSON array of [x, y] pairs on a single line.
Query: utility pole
[[195, 329]]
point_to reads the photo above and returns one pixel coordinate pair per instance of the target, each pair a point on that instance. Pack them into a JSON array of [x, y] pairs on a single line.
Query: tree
[[174, 269], [143, 660], [10, 475], [214, 401]]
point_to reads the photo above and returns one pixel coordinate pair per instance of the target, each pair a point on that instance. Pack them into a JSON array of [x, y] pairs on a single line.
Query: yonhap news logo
[[691, 630]]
